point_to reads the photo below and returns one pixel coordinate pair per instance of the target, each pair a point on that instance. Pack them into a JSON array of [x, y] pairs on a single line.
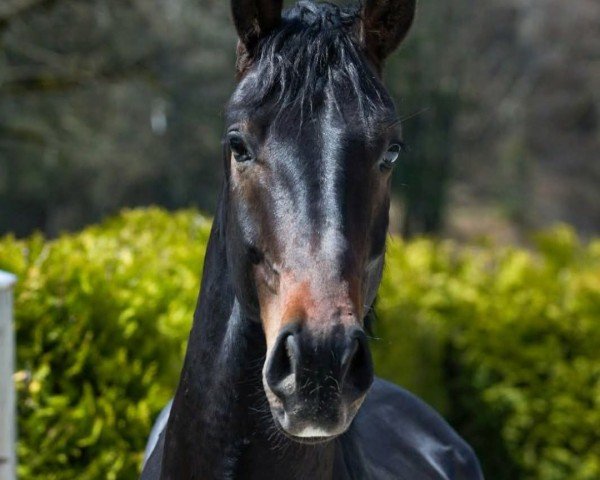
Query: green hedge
[[102, 318], [504, 341]]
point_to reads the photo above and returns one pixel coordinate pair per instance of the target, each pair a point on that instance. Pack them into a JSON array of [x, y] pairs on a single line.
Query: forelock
[[315, 55]]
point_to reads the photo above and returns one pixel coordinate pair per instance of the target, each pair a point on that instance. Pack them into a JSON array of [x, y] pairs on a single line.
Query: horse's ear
[[385, 24], [253, 19]]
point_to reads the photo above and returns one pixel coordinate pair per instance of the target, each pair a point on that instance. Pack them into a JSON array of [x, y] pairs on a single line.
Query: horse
[[278, 380]]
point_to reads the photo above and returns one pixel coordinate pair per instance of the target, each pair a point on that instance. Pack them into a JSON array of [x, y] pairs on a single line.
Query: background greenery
[[503, 341], [112, 103]]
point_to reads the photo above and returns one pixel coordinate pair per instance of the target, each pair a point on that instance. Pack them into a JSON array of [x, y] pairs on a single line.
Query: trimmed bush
[[102, 318], [504, 341]]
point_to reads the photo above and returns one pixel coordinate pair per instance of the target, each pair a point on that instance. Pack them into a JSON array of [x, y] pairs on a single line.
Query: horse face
[[310, 145]]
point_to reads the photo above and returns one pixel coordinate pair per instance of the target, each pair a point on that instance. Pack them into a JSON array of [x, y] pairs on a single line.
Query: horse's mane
[[314, 53]]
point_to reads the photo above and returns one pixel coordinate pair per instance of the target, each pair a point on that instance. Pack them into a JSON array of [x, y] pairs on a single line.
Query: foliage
[[161, 71], [499, 106], [101, 320], [504, 341]]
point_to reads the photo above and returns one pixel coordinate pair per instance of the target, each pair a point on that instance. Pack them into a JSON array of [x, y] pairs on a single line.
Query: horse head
[[311, 141]]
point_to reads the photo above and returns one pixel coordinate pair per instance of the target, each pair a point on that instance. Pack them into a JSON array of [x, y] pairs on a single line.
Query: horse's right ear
[[385, 23], [253, 20]]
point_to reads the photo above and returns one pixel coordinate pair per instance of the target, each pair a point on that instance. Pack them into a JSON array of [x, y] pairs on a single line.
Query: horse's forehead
[[335, 102], [330, 120]]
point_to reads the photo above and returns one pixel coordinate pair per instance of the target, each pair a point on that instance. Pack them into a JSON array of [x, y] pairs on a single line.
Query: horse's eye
[[238, 148], [390, 157]]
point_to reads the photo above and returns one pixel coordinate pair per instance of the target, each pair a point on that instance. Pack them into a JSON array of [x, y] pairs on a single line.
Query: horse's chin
[[305, 428], [306, 440]]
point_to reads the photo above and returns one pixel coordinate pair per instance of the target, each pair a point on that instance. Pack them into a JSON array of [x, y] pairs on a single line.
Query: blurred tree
[[107, 103], [422, 77], [529, 137]]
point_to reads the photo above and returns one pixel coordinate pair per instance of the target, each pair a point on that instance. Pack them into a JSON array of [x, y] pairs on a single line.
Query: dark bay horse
[[278, 381]]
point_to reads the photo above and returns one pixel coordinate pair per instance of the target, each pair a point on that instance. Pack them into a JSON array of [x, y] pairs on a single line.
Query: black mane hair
[[315, 53]]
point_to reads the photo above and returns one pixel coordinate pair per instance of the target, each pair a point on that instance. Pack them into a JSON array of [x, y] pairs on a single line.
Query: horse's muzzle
[[316, 380]]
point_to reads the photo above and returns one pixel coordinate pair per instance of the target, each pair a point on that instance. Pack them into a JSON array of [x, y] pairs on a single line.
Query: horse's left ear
[[385, 24], [253, 20]]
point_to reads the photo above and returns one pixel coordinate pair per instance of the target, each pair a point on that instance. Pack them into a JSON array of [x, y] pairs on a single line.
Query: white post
[[8, 435]]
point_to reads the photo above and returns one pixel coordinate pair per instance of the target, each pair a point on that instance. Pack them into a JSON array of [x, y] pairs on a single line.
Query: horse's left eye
[[390, 157]]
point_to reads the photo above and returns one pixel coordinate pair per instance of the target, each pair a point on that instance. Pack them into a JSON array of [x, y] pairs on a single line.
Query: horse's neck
[[220, 426]]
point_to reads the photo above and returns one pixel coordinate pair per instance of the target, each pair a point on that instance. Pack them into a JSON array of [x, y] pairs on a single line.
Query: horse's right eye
[[238, 148]]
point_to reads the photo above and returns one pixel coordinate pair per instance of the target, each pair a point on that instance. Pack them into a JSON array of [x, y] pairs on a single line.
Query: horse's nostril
[[348, 357], [280, 374], [357, 366]]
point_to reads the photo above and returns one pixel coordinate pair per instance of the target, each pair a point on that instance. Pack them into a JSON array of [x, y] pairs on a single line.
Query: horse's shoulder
[[401, 437]]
